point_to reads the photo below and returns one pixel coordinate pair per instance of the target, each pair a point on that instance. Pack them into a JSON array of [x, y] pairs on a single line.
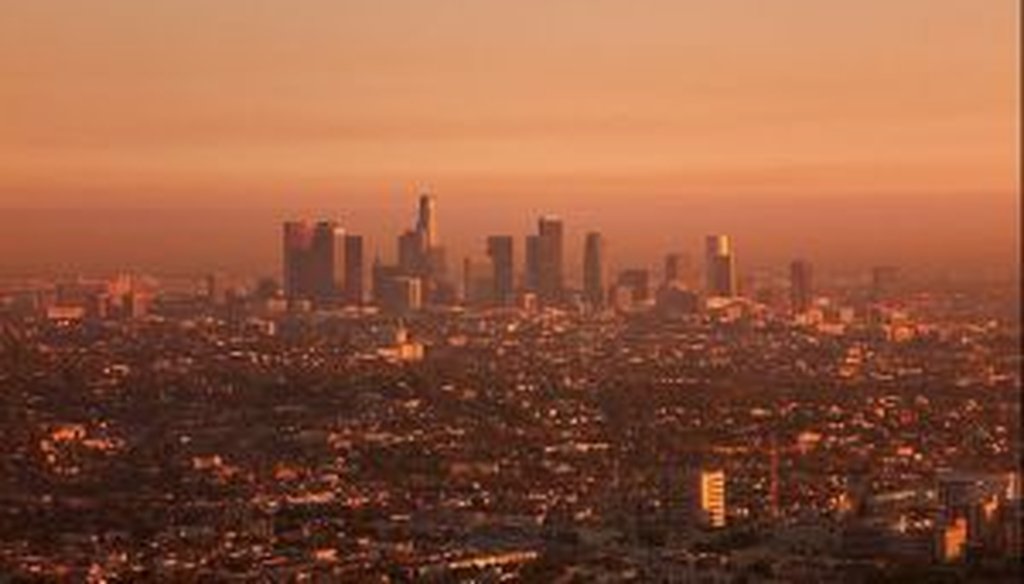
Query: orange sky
[[281, 103], [749, 95]]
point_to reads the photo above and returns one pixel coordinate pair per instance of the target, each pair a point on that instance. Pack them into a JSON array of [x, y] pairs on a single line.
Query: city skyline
[[495, 291], [243, 242]]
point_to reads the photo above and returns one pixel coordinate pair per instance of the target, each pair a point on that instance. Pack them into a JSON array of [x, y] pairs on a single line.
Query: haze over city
[[493, 291], [798, 126]]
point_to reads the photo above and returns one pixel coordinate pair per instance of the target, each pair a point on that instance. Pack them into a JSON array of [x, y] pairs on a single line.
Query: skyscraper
[[594, 269], [421, 255], [338, 285], [309, 260], [801, 293], [426, 223], [550, 283], [719, 265], [394, 292], [500, 250], [408, 295], [386, 293], [322, 259], [297, 275], [412, 253], [354, 269]]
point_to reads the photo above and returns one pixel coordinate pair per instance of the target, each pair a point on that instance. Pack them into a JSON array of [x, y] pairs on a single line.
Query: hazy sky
[[743, 108]]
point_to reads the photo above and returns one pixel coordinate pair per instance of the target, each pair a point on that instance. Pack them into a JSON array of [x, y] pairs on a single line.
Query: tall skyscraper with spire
[[426, 223]]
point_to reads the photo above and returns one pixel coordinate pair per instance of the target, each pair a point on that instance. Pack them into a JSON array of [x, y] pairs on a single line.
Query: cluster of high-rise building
[[324, 265]]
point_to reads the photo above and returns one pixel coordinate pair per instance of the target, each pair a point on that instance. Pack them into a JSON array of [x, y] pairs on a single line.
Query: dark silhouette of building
[[426, 222], [326, 239], [309, 259], [354, 290], [500, 250], [297, 276], [594, 269], [394, 291], [550, 285]]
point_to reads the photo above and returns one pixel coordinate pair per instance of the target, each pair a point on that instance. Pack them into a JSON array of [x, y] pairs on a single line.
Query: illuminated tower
[[694, 496], [593, 269], [719, 264], [800, 286], [712, 497], [500, 250]]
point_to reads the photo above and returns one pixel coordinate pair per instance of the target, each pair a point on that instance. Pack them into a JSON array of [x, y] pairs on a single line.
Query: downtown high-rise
[[719, 266], [594, 269], [500, 251], [309, 259], [355, 268], [550, 259]]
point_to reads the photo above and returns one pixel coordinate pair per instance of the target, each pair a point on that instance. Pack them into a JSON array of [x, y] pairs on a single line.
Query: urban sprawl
[[358, 421]]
